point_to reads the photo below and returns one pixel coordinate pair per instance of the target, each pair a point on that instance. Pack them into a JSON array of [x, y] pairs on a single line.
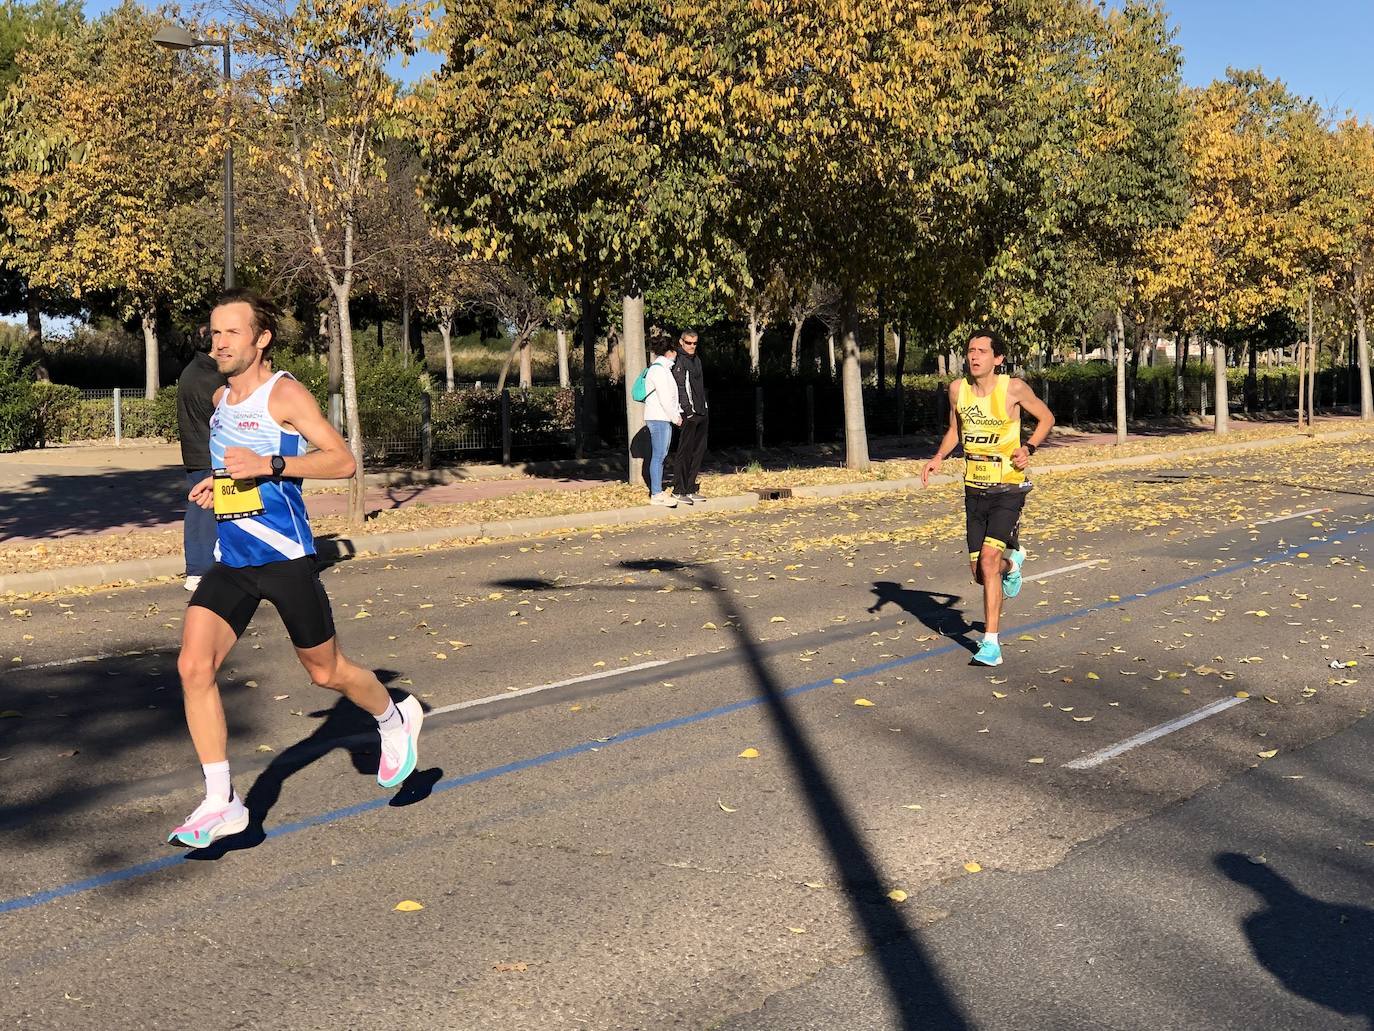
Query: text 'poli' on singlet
[[989, 437], [259, 520]]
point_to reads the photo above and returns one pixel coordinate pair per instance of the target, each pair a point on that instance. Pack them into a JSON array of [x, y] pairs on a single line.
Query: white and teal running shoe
[[1011, 579], [213, 819], [988, 654]]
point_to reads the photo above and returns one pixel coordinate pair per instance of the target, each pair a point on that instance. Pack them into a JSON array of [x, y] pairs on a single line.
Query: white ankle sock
[[990, 638], [217, 783], [390, 722]]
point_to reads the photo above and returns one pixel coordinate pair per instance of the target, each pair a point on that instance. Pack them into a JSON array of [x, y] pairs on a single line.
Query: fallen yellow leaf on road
[[911, 807], [408, 906], [1269, 754], [361, 614], [999, 694], [797, 930], [839, 680], [1257, 612], [10, 714], [863, 701], [1093, 676], [973, 867], [264, 748], [749, 753], [1242, 694], [709, 626], [897, 895], [725, 808], [1038, 760], [777, 619], [1082, 719]]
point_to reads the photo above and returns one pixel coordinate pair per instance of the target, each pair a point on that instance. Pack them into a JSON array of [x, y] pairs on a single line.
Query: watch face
[[278, 465]]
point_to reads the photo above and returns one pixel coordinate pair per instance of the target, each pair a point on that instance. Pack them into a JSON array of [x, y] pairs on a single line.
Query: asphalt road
[[597, 853]]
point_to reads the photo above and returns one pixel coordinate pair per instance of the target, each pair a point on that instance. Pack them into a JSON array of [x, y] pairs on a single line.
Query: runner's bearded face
[[235, 341]]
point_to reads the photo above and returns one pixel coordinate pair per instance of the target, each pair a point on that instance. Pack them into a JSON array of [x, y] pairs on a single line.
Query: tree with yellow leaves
[[104, 191], [1241, 252], [323, 100]]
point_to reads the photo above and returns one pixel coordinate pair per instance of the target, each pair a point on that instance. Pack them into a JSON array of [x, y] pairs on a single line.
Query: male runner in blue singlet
[[265, 550]]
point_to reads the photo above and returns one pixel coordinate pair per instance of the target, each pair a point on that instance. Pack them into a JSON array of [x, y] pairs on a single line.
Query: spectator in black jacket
[[196, 389], [691, 440]]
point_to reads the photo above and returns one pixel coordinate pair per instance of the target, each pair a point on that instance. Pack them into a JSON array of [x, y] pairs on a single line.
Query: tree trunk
[[796, 344], [880, 360], [1222, 414], [335, 370], [33, 338], [1120, 378], [151, 377], [755, 335], [446, 335], [405, 329], [1252, 379], [1107, 345], [590, 435], [357, 498], [381, 342], [1180, 361], [899, 374], [855, 433], [830, 346], [632, 345], [942, 364], [1362, 347], [527, 364], [564, 378], [517, 345]]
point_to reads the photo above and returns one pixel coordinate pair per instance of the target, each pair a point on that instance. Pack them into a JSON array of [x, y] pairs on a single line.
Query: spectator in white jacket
[[661, 413]]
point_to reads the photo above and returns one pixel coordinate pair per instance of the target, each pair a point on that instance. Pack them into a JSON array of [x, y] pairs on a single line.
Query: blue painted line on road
[[103, 880]]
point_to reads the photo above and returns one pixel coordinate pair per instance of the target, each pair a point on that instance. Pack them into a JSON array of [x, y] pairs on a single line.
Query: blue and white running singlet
[[259, 520]]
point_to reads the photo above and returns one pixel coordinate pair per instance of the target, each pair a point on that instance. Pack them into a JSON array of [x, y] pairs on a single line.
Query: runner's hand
[[243, 464], [203, 493], [1020, 458], [932, 467]]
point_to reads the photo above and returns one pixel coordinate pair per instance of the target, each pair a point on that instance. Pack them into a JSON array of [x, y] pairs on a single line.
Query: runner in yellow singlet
[[985, 407]]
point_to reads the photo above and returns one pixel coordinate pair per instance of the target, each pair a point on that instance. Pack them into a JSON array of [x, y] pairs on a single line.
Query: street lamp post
[[174, 37]]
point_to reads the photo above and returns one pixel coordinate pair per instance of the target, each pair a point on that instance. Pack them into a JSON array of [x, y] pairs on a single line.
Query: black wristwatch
[[1030, 449], [278, 465]]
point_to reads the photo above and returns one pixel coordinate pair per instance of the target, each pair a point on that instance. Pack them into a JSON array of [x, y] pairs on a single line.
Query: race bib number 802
[[236, 499]]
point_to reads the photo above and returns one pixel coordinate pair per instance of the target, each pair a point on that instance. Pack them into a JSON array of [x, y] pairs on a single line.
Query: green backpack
[[640, 391]]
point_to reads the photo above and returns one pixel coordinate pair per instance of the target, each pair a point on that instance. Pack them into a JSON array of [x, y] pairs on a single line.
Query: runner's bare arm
[[951, 438], [293, 406], [1020, 391]]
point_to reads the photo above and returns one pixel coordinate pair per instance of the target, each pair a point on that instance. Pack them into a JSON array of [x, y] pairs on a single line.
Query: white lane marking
[[605, 673], [57, 663], [1064, 569], [1097, 758], [1295, 515]]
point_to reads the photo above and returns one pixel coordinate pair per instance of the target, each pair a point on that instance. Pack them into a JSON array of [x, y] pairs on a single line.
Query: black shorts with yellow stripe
[[993, 517]]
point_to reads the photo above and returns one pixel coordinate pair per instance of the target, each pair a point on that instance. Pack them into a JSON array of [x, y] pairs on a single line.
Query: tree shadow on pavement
[[913, 983], [1317, 950], [55, 505], [935, 610], [344, 726]]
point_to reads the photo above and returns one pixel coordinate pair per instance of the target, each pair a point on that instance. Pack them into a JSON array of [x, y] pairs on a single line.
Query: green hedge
[[18, 401]]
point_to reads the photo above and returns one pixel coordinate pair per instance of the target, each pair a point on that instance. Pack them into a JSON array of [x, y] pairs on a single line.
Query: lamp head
[[174, 37]]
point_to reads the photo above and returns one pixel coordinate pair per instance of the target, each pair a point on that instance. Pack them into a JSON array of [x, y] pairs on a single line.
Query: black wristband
[[1030, 449]]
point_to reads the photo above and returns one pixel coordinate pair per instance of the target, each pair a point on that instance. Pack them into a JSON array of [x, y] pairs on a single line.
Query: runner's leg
[[991, 565], [330, 668], [205, 641]]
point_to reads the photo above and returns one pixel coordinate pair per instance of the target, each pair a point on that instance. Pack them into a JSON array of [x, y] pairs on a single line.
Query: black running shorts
[[993, 517], [292, 586]]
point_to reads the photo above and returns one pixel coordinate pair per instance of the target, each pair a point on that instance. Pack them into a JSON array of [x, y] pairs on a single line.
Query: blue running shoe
[[988, 654]]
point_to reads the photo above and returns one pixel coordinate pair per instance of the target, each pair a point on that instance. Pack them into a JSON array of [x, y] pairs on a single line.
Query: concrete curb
[[337, 548]]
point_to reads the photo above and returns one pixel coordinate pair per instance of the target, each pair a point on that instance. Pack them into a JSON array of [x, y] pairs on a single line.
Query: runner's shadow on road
[[344, 726], [918, 997], [1317, 950], [936, 610]]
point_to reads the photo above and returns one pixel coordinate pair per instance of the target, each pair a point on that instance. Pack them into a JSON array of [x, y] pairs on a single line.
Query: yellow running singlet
[[989, 437]]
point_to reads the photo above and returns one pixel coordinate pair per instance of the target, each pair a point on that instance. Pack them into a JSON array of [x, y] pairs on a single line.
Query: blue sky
[[1323, 49]]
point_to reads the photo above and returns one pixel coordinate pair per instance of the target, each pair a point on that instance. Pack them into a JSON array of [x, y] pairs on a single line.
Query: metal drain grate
[[772, 493]]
